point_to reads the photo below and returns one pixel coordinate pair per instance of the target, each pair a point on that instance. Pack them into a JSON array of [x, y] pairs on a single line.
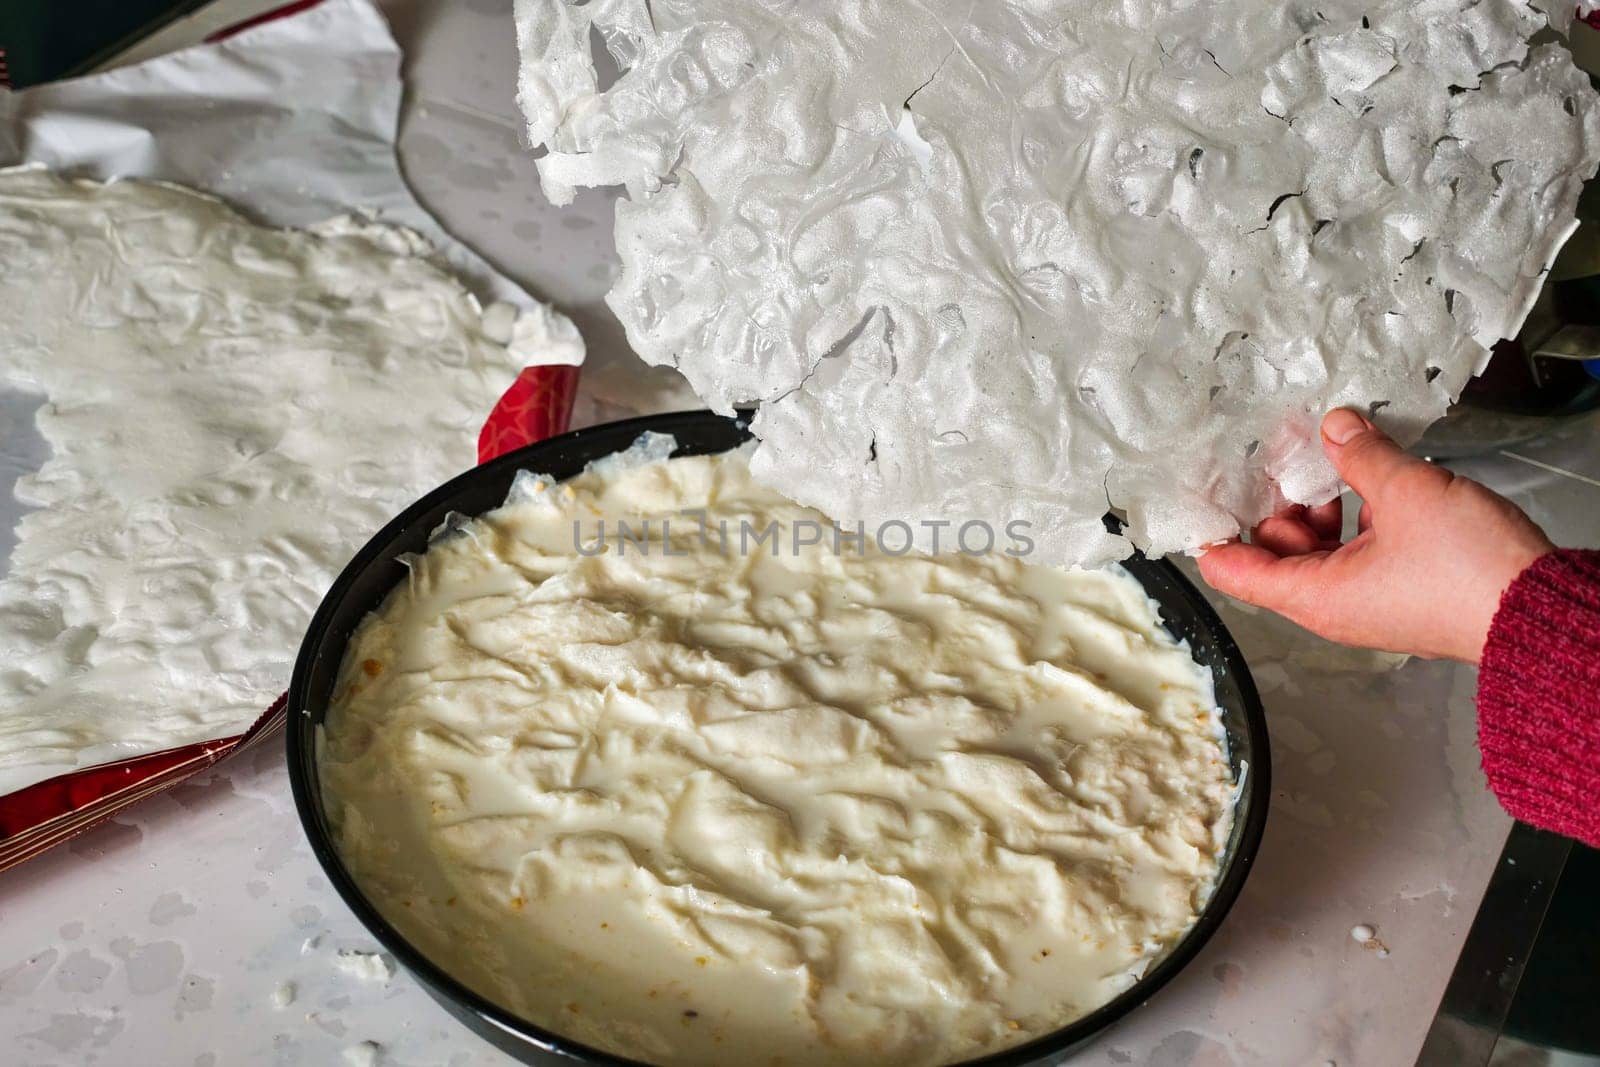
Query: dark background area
[[1557, 1005], [47, 39]]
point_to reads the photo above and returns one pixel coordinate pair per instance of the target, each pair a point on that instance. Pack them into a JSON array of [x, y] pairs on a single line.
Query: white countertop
[[161, 937]]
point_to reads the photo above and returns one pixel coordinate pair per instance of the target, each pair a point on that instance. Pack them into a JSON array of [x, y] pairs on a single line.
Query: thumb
[[1363, 455]]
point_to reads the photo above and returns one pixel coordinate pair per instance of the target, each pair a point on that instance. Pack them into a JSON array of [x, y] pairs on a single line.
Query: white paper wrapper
[[293, 121]]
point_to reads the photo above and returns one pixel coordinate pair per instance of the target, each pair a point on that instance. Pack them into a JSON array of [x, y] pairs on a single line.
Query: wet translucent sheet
[[1016, 261]]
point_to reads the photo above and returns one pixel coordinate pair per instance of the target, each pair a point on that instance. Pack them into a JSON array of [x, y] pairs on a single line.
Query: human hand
[[1425, 573]]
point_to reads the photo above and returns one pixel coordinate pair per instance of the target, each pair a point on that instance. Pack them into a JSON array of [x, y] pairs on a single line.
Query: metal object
[[1473, 1010]]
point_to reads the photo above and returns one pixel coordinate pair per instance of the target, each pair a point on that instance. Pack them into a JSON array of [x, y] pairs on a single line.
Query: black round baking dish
[[376, 569]]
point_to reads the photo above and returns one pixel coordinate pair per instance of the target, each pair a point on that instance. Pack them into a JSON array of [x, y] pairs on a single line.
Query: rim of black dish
[[613, 437]]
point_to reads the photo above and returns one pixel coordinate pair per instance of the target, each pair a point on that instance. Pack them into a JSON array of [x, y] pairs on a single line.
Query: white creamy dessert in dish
[[697, 802]]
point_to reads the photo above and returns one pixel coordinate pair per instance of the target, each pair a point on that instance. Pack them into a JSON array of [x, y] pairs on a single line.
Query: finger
[[1228, 567], [1327, 520], [1363, 455], [1285, 536], [1364, 519], [1257, 576]]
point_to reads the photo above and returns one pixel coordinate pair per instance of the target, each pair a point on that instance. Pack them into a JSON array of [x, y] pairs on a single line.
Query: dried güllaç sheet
[[1022, 259], [231, 411]]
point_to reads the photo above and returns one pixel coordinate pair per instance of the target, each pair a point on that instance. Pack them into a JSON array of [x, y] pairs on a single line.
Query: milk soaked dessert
[[697, 801]]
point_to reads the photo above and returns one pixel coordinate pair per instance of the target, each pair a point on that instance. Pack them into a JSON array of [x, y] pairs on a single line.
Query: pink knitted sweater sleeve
[[1539, 696]]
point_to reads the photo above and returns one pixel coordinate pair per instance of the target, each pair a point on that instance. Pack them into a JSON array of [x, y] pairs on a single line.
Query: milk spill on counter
[[699, 807]]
